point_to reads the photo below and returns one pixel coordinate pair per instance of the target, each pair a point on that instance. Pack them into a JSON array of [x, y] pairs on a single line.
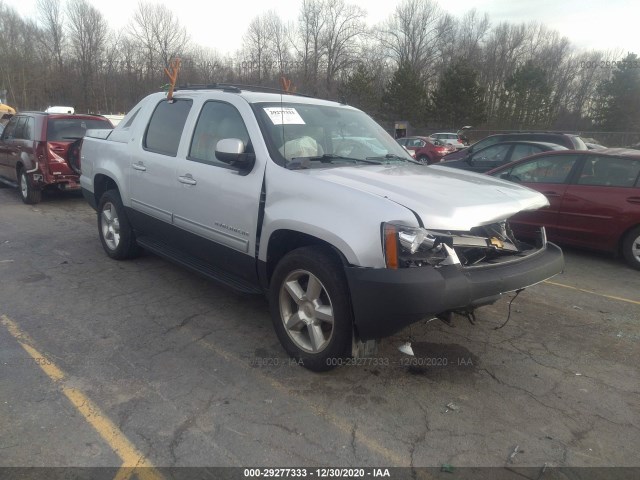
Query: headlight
[[414, 247]]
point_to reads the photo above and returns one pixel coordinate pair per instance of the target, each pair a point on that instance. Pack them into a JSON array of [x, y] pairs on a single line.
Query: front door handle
[[635, 200], [139, 166], [551, 194], [187, 179]]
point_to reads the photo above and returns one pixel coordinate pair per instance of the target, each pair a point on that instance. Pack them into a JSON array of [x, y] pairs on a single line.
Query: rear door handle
[[139, 166], [551, 194], [187, 179], [635, 200]]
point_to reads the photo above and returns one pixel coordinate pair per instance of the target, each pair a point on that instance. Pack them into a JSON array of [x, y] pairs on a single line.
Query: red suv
[[40, 149], [426, 150]]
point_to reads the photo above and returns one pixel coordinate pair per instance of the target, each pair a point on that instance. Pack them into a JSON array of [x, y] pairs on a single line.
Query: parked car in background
[[449, 139], [567, 140], [594, 146], [425, 149], [61, 109], [594, 198], [36, 151], [499, 154]]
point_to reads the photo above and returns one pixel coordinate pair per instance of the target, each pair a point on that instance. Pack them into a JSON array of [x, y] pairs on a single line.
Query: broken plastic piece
[[514, 453], [446, 468], [452, 406], [406, 349]]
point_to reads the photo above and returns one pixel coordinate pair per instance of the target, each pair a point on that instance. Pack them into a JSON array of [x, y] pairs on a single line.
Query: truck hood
[[443, 198]]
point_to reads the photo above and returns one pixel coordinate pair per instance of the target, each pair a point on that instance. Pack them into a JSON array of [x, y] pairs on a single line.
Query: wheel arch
[[283, 241], [623, 236], [19, 167], [101, 184]]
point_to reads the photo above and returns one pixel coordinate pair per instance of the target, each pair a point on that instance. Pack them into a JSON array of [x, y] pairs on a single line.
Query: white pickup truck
[[312, 203]]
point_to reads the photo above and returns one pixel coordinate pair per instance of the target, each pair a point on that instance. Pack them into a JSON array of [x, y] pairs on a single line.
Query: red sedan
[[594, 198], [426, 150]]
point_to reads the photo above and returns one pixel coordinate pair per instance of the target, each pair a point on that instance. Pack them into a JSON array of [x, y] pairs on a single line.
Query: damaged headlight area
[[406, 247]]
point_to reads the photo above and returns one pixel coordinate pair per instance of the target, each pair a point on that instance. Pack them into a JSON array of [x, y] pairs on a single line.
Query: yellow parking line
[[133, 460], [635, 302]]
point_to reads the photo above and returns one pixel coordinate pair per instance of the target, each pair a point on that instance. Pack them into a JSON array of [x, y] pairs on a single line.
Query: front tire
[[310, 308], [116, 235], [29, 194], [424, 160], [631, 248]]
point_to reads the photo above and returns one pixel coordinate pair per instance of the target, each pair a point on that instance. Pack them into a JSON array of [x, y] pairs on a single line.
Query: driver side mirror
[[232, 151]]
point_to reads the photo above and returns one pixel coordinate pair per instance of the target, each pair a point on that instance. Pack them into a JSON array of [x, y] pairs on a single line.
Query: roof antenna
[[173, 76]]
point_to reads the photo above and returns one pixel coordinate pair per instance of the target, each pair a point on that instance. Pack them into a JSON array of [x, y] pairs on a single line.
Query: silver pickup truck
[[312, 203]]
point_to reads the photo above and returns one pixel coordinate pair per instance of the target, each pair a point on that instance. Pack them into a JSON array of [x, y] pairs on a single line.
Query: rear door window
[[523, 150], [10, 128], [19, 131], [491, 156], [551, 169], [166, 125], [27, 131], [610, 172]]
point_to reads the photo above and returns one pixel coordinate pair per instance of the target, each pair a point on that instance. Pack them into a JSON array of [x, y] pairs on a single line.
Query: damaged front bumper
[[386, 300]]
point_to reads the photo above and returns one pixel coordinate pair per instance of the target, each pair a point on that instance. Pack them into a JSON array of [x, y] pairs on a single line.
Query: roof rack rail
[[237, 88]]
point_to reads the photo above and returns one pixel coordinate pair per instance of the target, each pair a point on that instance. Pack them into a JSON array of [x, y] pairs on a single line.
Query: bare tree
[[501, 57], [88, 32], [344, 26], [159, 34], [311, 24], [51, 18], [280, 43], [257, 45], [410, 36], [52, 41], [472, 31]]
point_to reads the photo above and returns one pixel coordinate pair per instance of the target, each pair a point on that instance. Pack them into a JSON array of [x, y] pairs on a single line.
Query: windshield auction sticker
[[284, 116]]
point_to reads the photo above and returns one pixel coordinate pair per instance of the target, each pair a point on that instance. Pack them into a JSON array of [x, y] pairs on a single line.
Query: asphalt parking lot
[[109, 363]]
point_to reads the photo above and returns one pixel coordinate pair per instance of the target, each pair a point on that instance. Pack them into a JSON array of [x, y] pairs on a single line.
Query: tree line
[[421, 64]]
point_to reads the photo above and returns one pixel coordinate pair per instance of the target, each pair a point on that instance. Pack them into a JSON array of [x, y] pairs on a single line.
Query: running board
[[8, 182], [192, 263]]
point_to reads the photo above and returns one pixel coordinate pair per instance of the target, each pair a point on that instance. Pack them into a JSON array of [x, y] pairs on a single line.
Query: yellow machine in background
[[6, 109]]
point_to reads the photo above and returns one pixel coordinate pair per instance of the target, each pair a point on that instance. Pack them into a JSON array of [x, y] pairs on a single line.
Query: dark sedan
[[499, 154], [594, 198], [569, 140]]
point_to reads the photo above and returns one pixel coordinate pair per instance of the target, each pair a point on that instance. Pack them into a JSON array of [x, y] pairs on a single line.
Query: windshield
[[311, 136]]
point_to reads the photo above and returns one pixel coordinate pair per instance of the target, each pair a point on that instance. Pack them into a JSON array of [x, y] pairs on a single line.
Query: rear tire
[[424, 159], [29, 194], [310, 308], [116, 235], [631, 248]]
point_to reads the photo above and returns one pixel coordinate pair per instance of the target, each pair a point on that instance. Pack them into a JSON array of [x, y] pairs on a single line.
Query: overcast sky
[[589, 24]]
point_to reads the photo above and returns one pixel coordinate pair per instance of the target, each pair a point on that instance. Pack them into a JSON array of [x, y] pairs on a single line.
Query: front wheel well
[[282, 242], [624, 236]]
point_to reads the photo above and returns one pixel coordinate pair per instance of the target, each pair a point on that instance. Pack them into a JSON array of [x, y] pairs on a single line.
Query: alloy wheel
[[306, 311]]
